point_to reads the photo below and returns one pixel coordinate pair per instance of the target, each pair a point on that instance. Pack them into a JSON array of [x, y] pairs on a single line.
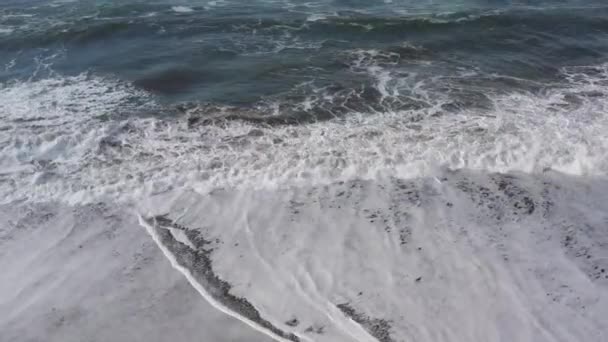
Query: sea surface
[[331, 170]]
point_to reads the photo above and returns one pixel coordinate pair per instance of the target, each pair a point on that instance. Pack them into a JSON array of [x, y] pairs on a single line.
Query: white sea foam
[[182, 9], [216, 3], [13, 15], [316, 17], [11, 64], [6, 30], [57, 143]]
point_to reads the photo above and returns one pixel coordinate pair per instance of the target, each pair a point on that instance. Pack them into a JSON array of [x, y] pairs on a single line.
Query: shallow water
[[319, 171]]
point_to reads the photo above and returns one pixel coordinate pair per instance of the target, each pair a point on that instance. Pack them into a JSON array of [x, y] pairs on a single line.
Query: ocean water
[[331, 170]]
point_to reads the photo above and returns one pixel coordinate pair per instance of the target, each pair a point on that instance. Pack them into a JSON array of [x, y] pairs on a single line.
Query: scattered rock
[[315, 329], [378, 328], [293, 322]]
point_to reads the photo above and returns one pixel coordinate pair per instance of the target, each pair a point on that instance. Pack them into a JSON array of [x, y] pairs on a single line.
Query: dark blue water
[[252, 53]]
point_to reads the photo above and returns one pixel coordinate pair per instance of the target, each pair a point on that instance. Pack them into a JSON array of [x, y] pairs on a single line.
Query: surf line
[[152, 230]]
